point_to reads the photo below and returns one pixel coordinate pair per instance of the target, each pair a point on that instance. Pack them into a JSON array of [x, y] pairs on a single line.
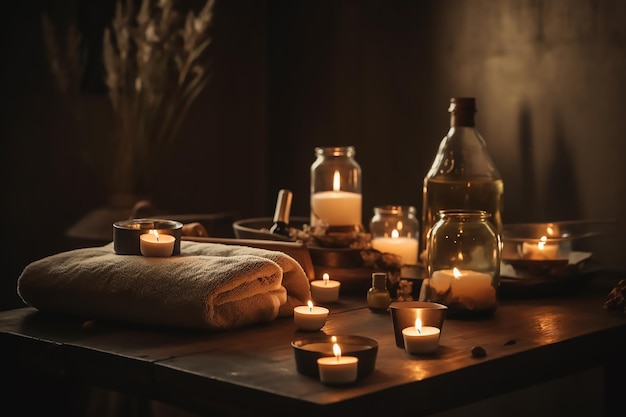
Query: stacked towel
[[209, 286]]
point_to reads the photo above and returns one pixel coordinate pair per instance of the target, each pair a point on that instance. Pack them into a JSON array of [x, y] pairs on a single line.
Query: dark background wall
[[549, 78]]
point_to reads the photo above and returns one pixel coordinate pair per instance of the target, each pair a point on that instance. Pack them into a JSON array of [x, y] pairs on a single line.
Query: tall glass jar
[[336, 198], [395, 230], [462, 175], [463, 263]]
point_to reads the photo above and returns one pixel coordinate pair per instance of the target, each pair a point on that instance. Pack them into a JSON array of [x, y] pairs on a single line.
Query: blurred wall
[[291, 75], [549, 78]]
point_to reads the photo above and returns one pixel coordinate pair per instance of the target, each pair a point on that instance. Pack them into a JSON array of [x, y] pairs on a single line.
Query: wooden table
[[252, 371]]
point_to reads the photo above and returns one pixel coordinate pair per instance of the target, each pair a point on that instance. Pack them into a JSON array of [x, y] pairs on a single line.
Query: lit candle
[[310, 318], [155, 244], [541, 250], [405, 247], [420, 339], [325, 290], [337, 208], [471, 288], [338, 369]]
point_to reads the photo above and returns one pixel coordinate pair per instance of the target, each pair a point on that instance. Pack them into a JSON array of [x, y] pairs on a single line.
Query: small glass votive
[[405, 313], [395, 230]]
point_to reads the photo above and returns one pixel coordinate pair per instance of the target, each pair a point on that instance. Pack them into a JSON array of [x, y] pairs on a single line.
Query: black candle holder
[[126, 234]]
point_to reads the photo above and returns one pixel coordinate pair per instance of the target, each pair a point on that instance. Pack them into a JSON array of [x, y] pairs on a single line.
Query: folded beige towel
[[208, 285]]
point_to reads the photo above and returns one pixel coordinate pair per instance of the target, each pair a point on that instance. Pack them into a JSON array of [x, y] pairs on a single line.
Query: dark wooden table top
[[252, 371]]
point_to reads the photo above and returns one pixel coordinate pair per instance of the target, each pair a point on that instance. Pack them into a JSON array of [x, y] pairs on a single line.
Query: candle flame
[[325, 277], [155, 233], [395, 234], [337, 351], [456, 272], [336, 181], [310, 304], [542, 242], [418, 325]]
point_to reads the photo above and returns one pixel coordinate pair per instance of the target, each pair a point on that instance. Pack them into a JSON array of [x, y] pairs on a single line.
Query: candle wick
[[418, 330]]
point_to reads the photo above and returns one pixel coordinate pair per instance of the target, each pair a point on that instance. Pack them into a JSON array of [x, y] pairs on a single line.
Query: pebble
[[478, 352]]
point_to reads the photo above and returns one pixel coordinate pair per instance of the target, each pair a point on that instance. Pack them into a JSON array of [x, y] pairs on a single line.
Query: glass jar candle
[[336, 198], [464, 253], [395, 230]]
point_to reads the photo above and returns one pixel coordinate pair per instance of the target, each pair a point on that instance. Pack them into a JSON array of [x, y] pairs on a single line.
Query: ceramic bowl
[[308, 349]]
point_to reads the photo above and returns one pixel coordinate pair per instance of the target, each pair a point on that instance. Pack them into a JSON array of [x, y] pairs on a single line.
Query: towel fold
[[209, 285]]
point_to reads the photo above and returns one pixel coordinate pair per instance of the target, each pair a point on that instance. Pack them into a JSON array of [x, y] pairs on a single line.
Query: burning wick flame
[[155, 233], [418, 325], [310, 304], [337, 351], [456, 272], [336, 181], [395, 234], [542, 242], [326, 277]]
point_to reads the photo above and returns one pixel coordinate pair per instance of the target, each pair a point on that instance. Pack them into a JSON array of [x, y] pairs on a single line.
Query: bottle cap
[[462, 103], [379, 280]]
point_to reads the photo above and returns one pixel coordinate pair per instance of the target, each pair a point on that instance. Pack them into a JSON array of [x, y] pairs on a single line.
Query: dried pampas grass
[[155, 68]]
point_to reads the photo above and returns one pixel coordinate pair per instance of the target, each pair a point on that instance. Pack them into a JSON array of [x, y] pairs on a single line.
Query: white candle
[[310, 318], [155, 244], [337, 208], [540, 251], [325, 290], [338, 369], [420, 339], [473, 289], [405, 247]]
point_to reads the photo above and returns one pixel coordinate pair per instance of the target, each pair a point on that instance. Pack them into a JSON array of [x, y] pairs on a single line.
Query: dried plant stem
[[154, 58]]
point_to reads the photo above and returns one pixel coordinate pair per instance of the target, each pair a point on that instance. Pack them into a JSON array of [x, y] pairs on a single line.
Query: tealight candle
[[310, 318], [325, 290], [338, 369], [405, 247], [540, 251], [155, 244], [420, 339], [473, 289]]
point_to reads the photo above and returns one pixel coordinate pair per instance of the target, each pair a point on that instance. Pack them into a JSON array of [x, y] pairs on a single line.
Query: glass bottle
[[280, 222], [336, 198], [395, 229], [464, 256], [378, 297], [462, 175]]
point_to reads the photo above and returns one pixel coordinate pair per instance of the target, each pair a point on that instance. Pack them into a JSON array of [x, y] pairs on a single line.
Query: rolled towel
[[208, 286]]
